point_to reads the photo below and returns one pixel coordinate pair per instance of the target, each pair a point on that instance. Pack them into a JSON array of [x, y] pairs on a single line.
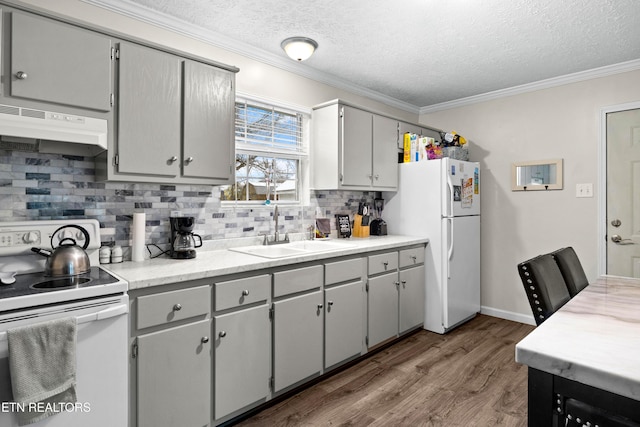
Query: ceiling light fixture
[[299, 48]]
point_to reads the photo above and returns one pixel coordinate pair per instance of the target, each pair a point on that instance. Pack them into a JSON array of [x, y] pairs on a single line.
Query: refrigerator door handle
[[449, 200], [449, 246]]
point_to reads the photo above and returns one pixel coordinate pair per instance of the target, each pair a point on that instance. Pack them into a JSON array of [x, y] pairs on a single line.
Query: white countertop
[[593, 339], [219, 262]]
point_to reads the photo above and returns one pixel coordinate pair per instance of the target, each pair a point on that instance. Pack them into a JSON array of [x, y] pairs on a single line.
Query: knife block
[[359, 230]]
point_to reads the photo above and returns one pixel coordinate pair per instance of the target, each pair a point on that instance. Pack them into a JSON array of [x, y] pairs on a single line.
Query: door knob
[[616, 223], [617, 239]]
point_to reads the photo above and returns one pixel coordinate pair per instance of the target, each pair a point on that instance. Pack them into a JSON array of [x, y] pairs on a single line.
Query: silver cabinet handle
[[204, 340], [222, 334], [189, 159], [386, 264], [397, 283], [414, 258], [177, 307], [377, 176], [173, 159], [404, 282], [21, 75], [330, 303], [245, 293], [320, 306]]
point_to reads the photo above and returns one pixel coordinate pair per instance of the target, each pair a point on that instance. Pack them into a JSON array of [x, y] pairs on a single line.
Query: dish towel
[[42, 364]]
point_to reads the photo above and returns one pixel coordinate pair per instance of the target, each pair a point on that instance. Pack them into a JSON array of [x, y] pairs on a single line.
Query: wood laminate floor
[[467, 377]]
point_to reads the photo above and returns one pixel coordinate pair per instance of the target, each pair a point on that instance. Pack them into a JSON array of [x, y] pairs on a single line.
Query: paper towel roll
[[138, 236]]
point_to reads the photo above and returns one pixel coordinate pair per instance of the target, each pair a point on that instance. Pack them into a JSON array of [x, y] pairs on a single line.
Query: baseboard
[[508, 315]]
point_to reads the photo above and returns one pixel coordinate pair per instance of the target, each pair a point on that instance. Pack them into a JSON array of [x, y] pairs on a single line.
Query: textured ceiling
[[425, 52]]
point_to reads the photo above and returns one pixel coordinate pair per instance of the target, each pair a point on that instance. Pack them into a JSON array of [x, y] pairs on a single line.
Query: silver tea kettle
[[68, 259]]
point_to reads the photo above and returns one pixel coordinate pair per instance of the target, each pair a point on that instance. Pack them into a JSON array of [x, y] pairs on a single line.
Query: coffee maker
[[183, 240]]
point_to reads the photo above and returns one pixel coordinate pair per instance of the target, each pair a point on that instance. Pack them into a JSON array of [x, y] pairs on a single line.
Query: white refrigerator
[[440, 200]]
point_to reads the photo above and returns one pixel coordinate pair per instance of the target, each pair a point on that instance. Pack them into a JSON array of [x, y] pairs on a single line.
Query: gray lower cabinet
[[174, 376], [383, 308], [412, 294], [59, 63], [241, 359], [242, 342], [343, 316], [297, 339]]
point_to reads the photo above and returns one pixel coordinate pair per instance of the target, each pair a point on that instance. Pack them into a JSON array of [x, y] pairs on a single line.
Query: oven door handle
[[100, 315]]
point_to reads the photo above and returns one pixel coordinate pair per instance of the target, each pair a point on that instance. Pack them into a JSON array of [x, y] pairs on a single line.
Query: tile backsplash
[[36, 186]]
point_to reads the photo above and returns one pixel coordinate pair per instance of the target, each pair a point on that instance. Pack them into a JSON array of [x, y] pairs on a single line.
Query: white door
[[461, 269], [623, 193], [461, 195]]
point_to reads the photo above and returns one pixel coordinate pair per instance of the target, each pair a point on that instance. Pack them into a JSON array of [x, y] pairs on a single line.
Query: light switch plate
[[584, 190]]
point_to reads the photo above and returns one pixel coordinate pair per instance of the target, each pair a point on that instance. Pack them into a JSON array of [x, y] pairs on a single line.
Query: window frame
[[301, 154]]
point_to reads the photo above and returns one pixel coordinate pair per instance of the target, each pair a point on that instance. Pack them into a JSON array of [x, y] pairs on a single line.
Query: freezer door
[[461, 269], [461, 192]]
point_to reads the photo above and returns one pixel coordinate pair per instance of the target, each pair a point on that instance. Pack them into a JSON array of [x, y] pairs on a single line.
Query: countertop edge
[[161, 271]]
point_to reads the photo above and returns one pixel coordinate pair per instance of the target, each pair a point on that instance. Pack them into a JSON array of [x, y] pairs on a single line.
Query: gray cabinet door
[[59, 63], [356, 147], [149, 112], [385, 152], [174, 376], [412, 294], [297, 339], [383, 308], [343, 322], [208, 122], [242, 343]]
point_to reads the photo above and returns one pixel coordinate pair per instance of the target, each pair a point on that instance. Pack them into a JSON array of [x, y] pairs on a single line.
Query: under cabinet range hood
[[30, 129]]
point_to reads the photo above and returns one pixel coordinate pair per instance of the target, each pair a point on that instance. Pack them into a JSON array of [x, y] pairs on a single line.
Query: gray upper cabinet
[[149, 97], [175, 120], [385, 172], [208, 122], [353, 149], [356, 147], [59, 63]]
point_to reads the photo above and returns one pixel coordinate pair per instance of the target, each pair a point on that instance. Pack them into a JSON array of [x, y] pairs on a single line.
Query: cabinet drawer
[[236, 293], [168, 307], [298, 280], [413, 256], [341, 271], [383, 262]]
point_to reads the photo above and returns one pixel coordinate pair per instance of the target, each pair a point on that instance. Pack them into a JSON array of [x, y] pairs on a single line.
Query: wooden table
[[588, 350]]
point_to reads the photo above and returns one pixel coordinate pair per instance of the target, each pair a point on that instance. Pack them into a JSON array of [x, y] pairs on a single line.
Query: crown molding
[[173, 24], [594, 73]]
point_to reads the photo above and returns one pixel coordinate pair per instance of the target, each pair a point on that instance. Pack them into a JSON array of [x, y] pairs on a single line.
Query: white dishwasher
[[98, 302]]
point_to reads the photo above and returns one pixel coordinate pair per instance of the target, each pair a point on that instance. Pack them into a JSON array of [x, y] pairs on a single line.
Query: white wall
[[561, 122]]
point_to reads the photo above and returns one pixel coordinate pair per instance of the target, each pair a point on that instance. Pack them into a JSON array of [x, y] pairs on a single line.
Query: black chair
[[571, 270], [579, 414], [544, 286]]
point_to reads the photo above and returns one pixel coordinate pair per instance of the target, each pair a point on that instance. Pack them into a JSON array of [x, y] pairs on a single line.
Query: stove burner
[[63, 282]]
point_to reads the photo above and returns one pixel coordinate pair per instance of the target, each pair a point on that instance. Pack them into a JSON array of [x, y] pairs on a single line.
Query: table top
[[593, 339]]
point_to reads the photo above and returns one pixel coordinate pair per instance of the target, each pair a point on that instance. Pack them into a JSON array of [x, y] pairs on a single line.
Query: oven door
[[101, 363]]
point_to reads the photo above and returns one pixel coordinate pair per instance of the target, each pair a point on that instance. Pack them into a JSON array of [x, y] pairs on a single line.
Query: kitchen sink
[[298, 248]]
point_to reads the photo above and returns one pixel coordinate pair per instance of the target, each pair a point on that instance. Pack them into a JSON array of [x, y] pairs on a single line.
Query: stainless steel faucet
[[275, 217], [276, 235]]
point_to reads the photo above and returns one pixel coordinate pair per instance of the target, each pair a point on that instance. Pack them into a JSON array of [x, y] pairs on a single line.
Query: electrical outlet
[[584, 190]]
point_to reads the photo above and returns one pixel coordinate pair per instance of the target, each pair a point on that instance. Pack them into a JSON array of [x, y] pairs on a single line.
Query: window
[[270, 150]]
